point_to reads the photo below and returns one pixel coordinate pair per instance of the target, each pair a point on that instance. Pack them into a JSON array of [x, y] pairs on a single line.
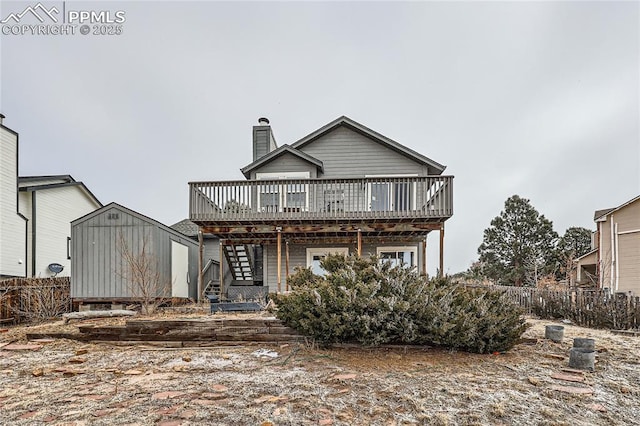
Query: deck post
[[441, 273], [279, 229], [200, 256], [286, 262], [359, 242], [221, 268], [424, 256]]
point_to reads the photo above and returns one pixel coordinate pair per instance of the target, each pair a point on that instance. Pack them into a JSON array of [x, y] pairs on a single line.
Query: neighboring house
[[36, 212], [50, 203], [615, 258], [13, 226], [210, 259], [101, 242], [343, 188]]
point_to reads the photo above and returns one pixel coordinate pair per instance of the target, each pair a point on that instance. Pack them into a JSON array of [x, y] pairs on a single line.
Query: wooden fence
[[589, 308], [32, 299]]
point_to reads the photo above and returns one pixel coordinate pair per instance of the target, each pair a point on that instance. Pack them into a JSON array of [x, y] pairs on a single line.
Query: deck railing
[[428, 197]]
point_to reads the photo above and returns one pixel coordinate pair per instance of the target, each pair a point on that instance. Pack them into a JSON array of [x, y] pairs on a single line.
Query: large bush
[[366, 301]]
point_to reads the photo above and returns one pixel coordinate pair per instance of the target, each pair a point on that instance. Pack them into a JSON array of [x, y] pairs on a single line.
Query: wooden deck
[[411, 199]]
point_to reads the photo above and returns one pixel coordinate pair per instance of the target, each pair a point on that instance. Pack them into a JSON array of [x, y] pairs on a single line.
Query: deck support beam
[[222, 259], [286, 262], [441, 273], [200, 260], [279, 244], [424, 256], [359, 242]]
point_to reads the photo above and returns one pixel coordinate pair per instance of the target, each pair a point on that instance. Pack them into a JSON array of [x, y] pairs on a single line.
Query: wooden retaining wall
[[265, 330]]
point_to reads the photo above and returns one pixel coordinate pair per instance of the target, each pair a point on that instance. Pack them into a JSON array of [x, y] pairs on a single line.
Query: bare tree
[[42, 298], [141, 271]]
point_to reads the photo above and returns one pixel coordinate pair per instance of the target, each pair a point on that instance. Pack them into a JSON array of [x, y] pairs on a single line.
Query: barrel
[[554, 332], [582, 359], [584, 343]]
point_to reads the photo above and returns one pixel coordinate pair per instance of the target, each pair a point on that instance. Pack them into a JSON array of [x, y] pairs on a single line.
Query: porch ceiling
[[293, 230]]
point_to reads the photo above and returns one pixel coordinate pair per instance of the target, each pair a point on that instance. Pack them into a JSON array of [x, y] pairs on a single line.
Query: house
[[50, 203], [13, 225], [615, 258], [36, 213], [107, 244], [343, 188]]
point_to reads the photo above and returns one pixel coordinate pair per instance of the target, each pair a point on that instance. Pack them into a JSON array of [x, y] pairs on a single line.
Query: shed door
[[179, 270]]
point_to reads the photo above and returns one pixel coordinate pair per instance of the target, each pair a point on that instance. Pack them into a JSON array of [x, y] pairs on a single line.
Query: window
[[285, 197], [315, 256], [399, 256], [392, 194]]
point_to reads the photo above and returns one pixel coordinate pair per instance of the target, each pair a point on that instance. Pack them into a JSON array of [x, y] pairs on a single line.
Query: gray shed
[[100, 242]]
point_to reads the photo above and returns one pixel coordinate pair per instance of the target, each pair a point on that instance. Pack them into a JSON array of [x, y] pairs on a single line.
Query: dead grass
[[304, 386]]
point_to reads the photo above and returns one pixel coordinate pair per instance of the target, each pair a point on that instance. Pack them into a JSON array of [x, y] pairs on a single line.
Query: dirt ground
[[65, 382]]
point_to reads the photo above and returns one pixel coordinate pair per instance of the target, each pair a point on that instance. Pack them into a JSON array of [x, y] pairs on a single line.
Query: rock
[[573, 371], [567, 377], [597, 407], [573, 389], [186, 358], [81, 352], [38, 372], [19, 347], [133, 372], [219, 388], [533, 380], [28, 415], [77, 360], [325, 422], [625, 389]]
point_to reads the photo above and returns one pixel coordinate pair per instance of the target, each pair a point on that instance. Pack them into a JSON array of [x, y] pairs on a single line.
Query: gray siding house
[[343, 188], [99, 271]]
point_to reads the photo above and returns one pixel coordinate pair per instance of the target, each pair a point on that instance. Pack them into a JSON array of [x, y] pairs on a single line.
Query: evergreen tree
[[520, 243], [575, 242]]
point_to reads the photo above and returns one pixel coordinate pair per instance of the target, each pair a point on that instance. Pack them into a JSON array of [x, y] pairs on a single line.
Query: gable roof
[[601, 213], [131, 212], [284, 149], [40, 183], [371, 134]]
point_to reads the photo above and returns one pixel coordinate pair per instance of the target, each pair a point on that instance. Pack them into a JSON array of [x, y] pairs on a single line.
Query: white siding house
[[50, 203], [13, 226]]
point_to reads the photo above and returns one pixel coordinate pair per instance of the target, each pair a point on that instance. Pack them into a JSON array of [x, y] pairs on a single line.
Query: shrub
[[366, 301]]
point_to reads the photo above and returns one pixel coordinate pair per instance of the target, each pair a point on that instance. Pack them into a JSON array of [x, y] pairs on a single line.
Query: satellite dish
[[56, 268]]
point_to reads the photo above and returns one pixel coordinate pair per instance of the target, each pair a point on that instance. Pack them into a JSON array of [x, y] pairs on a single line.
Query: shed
[[101, 242]]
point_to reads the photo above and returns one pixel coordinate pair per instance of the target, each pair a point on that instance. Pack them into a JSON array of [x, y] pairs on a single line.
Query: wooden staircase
[[239, 261]]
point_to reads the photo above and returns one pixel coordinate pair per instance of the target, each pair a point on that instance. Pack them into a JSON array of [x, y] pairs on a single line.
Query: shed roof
[[131, 212]]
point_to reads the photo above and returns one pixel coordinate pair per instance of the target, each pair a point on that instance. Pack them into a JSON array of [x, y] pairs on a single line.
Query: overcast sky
[[539, 99]]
